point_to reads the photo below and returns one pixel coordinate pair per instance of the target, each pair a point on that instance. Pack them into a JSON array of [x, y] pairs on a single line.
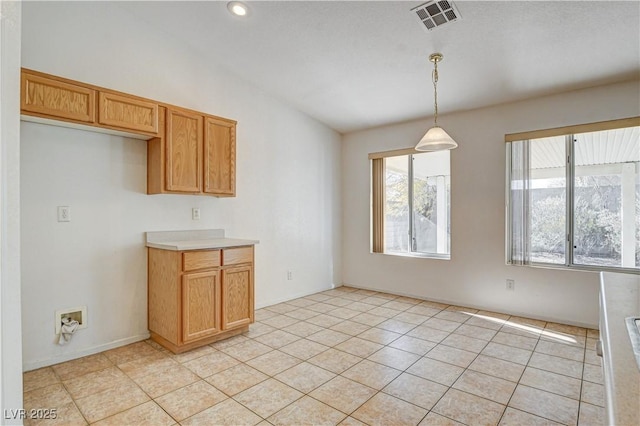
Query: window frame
[[569, 133], [378, 201]]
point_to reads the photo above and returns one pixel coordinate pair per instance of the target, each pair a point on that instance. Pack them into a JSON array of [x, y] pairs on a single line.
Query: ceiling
[[358, 64]]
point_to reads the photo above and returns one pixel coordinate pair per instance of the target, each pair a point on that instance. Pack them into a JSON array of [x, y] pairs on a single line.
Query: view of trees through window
[[417, 194], [605, 203]]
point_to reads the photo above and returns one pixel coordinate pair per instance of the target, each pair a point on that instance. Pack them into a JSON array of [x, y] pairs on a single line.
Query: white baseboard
[[33, 365]]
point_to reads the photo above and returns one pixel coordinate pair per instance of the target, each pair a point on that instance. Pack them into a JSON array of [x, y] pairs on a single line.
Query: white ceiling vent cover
[[435, 13]]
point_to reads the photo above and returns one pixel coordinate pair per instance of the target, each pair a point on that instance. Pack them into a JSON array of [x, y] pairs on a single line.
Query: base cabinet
[[199, 296]]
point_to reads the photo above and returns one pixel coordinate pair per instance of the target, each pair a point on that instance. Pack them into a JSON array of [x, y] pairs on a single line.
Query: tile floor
[[344, 356]]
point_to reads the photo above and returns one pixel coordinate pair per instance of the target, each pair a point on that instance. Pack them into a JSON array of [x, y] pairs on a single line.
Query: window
[[411, 203], [574, 196]]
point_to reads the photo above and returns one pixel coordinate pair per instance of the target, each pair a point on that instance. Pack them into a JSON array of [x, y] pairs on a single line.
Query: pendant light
[[436, 139]]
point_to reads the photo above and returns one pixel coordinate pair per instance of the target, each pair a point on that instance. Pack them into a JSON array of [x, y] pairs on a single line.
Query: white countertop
[[619, 299], [194, 240]]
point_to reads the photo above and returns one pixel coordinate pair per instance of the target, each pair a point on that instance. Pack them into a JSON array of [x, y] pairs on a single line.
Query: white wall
[[288, 182], [475, 276], [10, 350]]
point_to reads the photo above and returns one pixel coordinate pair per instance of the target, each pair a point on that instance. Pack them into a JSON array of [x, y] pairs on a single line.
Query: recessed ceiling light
[[238, 8]]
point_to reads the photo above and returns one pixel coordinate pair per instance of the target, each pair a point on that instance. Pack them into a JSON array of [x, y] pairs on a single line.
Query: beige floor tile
[[591, 344], [247, 350], [236, 379], [78, 367], [435, 305], [301, 303], [307, 411], [96, 382], [368, 319], [469, 330], [264, 313], [592, 373], [556, 365], [411, 318], [395, 358], [515, 340], [424, 310], [344, 313], [147, 414], [359, 347], [148, 365], [529, 322], [350, 327], [385, 409], [321, 307], [456, 308], [267, 397], [282, 308], [436, 371], [433, 419], [454, 356], [110, 401], [338, 301], [591, 415], [428, 333], [545, 404], [51, 396], [453, 316], [469, 409], [560, 350], [304, 349], [396, 326], [441, 324], [567, 329], [255, 330], [302, 329], [371, 374], [324, 321], [551, 382], [302, 314], [343, 394], [305, 377], [384, 312], [40, 378], [375, 300], [520, 327], [329, 337], [465, 342], [167, 380], [318, 297], [350, 421], [273, 362], [378, 335], [280, 321], [507, 353], [593, 393], [486, 321], [193, 354], [228, 412], [65, 414], [129, 352], [334, 360], [207, 365], [359, 306], [485, 386], [231, 341], [277, 339], [410, 300], [590, 357], [492, 315], [498, 368], [401, 304], [191, 399], [593, 333], [416, 390], [413, 345], [513, 417]]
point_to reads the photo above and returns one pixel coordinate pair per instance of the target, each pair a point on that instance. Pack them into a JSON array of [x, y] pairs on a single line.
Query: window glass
[[396, 209]]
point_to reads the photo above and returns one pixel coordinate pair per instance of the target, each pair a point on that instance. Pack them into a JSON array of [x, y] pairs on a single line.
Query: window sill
[[583, 268], [418, 255]]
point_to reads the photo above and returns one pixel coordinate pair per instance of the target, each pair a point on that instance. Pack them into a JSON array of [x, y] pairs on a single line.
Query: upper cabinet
[[188, 152], [43, 96]]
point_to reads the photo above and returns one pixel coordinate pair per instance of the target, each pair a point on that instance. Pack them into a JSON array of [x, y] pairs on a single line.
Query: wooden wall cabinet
[[201, 296], [188, 152]]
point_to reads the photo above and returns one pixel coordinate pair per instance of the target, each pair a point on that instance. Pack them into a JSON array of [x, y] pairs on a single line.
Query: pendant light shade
[[436, 139]]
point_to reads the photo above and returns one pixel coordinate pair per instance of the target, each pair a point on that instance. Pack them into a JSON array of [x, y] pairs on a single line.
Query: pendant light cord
[[434, 78]]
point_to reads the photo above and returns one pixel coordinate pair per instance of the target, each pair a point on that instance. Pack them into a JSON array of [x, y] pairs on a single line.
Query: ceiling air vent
[[434, 14]]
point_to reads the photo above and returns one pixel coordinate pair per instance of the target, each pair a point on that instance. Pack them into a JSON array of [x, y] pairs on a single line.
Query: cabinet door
[[219, 157], [51, 97], [184, 151], [237, 296], [200, 305], [127, 112]]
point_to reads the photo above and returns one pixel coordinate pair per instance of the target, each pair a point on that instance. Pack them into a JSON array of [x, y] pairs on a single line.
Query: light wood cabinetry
[[188, 152], [200, 296]]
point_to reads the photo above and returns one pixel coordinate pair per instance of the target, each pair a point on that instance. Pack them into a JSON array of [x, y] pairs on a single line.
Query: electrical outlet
[[511, 285], [64, 214], [289, 275], [195, 213]]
